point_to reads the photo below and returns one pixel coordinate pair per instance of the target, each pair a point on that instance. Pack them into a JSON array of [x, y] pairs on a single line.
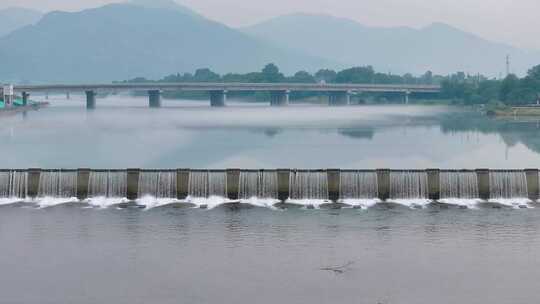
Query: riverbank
[[31, 107], [518, 111]]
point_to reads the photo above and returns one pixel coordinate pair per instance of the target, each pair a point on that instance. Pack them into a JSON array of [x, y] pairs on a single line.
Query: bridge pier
[[25, 97], [279, 98], [154, 98], [407, 97], [90, 100], [218, 98], [339, 98]]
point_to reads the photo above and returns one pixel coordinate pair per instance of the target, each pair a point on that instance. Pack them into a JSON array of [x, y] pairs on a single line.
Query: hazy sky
[[515, 22]]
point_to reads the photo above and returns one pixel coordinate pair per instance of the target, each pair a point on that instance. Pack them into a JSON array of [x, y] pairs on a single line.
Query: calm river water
[[385, 254], [124, 132]]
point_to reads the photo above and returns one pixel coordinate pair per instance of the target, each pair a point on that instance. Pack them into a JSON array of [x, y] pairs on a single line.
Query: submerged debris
[[338, 269]]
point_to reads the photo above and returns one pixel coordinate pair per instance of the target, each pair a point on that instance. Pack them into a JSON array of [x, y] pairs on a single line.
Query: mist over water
[[123, 132], [57, 249]]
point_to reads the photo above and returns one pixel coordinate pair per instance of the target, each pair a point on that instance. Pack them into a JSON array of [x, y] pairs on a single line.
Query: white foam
[[10, 201], [105, 202], [261, 202], [315, 203], [210, 202], [46, 202], [462, 202], [517, 203], [151, 202], [412, 202], [363, 203]]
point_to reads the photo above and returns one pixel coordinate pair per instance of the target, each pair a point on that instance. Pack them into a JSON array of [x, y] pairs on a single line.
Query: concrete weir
[[527, 180]]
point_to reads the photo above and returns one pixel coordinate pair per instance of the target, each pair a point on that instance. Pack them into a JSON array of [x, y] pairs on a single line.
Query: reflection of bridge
[[338, 94]]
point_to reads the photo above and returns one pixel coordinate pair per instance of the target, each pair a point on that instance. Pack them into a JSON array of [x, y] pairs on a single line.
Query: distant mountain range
[[439, 47], [141, 38], [153, 38], [14, 18]]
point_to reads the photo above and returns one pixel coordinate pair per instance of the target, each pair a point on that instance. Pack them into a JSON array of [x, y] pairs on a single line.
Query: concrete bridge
[[338, 94]]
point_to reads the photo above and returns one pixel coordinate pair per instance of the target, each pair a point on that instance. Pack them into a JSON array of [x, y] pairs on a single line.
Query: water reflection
[[191, 134]]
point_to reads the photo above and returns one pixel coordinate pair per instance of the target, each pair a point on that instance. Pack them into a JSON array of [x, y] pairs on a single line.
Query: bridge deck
[[247, 87]]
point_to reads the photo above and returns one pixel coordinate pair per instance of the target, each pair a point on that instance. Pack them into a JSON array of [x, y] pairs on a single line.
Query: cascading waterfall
[[207, 188], [13, 186], [157, 184], [509, 188], [308, 188], [409, 188], [157, 188], [57, 187], [258, 188], [459, 188], [359, 188], [106, 188], [260, 184]]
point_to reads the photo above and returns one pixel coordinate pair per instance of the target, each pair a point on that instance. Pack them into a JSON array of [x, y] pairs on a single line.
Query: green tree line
[[458, 88]]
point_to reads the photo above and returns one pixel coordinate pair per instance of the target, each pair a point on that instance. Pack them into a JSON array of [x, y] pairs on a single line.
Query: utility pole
[[507, 65]]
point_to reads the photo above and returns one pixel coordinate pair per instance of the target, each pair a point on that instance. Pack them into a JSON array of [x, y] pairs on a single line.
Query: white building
[[8, 95]]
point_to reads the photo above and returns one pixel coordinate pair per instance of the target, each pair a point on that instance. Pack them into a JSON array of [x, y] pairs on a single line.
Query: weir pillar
[[34, 175], [434, 184], [483, 183], [533, 183], [283, 178], [83, 178], [182, 183], [279, 98], [233, 184], [90, 100], [218, 98], [154, 98], [339, 98], [383, 182], [334, 184], [133, 183]]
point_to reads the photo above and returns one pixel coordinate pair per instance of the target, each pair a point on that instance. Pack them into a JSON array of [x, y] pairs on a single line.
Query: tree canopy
[[459, 87]]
